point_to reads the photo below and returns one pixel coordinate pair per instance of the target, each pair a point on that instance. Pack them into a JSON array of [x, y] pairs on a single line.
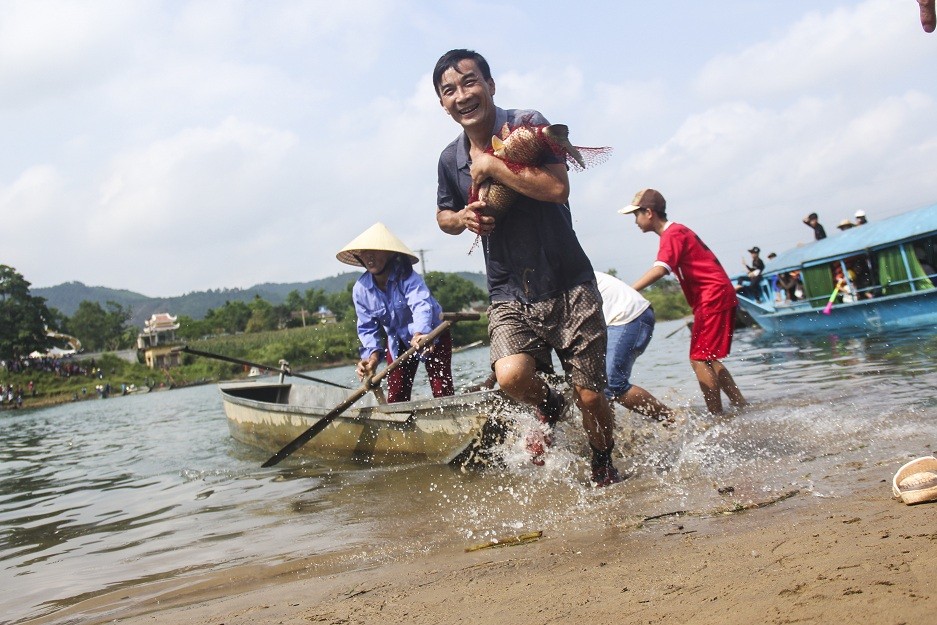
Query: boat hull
[[909, 310], [437, 431]]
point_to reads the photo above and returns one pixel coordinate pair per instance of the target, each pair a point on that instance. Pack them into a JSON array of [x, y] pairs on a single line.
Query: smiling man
[[540, 282]]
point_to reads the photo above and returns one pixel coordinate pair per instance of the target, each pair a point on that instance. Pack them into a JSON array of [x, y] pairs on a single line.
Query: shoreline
[[860, 556], [68, 397]]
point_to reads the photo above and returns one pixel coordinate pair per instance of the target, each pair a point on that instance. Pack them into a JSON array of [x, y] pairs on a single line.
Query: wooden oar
[[287, 371], [371, 382], [688, 324]]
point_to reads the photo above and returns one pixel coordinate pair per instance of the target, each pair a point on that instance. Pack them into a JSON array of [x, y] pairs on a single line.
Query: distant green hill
[[66, 297]]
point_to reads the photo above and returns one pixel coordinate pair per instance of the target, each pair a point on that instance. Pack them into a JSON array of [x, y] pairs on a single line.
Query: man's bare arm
[[549, 183]]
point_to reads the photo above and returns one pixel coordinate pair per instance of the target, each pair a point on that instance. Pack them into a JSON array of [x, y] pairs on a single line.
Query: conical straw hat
[[377, 237], [916, 482]]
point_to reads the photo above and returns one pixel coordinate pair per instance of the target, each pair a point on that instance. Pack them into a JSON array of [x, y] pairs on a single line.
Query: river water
[[105, 495]]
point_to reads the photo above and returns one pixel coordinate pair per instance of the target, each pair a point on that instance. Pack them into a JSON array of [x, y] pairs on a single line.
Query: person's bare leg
[[517, 376], [727, 384], [597, 417], [709, 384], [642, 402], [928, 15]]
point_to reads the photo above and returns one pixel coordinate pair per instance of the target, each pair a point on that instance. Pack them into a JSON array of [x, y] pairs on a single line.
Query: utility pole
[[422, 260]]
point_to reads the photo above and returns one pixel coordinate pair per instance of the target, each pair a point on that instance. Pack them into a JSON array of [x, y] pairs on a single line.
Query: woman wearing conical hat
[[393, 300]]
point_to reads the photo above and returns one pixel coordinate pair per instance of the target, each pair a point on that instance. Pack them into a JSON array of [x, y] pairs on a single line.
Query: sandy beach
[[859, 557]]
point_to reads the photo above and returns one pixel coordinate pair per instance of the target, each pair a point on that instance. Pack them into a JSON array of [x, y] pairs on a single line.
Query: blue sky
[[170, 147]]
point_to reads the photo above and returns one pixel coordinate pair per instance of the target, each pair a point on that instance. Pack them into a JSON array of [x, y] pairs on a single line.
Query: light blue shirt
[[405, 308]]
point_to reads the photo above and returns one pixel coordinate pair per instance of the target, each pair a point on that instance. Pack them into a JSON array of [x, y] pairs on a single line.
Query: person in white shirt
[[630, 321]]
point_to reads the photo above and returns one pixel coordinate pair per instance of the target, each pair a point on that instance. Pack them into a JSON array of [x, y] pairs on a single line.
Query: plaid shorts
[[572, 324]]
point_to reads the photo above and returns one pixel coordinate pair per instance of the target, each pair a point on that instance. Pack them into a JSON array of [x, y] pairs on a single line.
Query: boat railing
[[877, 291]]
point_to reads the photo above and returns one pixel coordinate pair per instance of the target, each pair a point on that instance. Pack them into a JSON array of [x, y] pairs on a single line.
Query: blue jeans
[[625, 344]]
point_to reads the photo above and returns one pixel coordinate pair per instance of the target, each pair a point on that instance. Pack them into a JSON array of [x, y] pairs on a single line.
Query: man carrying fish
[[540, 282]]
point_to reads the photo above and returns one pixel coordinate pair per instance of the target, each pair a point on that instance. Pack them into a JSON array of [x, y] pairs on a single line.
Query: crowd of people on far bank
[[13, 396]]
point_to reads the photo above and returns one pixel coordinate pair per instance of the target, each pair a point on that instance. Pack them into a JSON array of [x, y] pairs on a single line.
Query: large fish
[[529, 145]]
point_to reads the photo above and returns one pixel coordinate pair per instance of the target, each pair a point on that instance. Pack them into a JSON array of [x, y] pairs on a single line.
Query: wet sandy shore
[[858, 558]]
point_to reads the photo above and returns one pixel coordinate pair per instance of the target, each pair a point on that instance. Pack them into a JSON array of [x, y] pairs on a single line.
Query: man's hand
[[485, 166], [470, 218], [475, 220]]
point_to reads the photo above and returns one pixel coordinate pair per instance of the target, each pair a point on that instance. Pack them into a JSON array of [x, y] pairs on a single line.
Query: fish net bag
[[531, 145]]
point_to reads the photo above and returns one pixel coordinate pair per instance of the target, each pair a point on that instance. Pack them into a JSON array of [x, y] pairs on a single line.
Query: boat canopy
[[873, 235]]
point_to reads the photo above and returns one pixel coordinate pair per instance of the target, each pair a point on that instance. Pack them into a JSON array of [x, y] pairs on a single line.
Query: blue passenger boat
[[875, 277]]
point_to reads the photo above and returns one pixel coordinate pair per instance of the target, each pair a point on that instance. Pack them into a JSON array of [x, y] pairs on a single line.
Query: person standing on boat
[[630, 320], [753, 290], [860, 218], [392, 300], [757, 265], [540, 282], [707, 289], [813, 221]]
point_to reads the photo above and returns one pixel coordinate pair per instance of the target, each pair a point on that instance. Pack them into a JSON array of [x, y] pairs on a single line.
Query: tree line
[[25, 319]]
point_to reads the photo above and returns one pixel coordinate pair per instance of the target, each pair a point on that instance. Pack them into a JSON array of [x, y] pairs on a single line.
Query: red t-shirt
[[705, 283]]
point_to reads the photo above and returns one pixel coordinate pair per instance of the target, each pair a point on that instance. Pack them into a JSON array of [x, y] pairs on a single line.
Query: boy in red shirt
[[707, 289]]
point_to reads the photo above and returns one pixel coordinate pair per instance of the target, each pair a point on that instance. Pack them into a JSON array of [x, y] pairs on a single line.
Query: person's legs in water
[[714, 379], [642, 402], [625, 343], [709, 384], [727, 384], [711, 339], [598, 421]]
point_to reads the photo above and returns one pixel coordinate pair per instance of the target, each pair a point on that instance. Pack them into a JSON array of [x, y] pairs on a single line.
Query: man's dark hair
[[451, 59]]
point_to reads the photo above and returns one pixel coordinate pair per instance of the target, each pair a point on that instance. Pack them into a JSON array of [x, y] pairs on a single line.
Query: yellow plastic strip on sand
[[505, 542]]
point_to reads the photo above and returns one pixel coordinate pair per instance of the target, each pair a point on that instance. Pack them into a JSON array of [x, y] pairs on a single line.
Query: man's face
[[467, 96]]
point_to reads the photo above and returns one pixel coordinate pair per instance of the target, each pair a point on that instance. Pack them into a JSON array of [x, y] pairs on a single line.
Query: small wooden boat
[[885, 271], [441, 430]]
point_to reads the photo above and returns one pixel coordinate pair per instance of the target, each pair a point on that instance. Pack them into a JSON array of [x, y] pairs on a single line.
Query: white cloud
[[49, 49], [822, 51], [193, 145]]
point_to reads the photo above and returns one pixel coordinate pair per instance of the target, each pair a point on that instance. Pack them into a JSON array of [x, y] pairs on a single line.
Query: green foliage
[[22, 317], [191, 329], [667, 298], [100, 329], [314, 345], [466, 332], [451, 291], [341, 303], [308, 348], [229, 319], [263, 316]]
